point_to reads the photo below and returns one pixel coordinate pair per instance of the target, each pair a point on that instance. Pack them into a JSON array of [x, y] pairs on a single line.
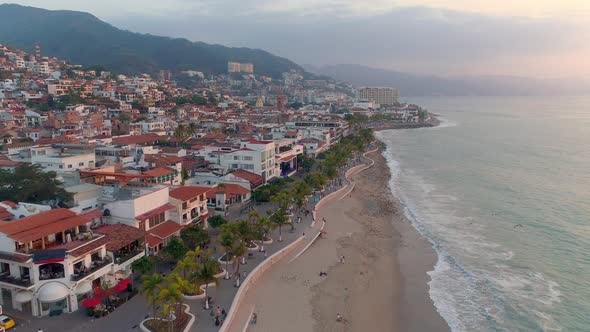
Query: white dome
[[84, 287], [23, 296], [52, 291]]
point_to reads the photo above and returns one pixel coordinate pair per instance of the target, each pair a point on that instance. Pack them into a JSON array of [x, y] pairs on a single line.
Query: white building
[[64, 157]]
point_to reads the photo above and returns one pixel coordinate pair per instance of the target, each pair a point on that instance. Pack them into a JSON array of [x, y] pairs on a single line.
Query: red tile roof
[[231, 189], [253, 178], [186, 193], [4, 214], [11, 204], [119, 235], [137, 139], [160, 171], [42, 224], [164, 230]]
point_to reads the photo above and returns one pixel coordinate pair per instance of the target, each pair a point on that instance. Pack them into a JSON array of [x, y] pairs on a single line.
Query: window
[[184, 205], [248, 158], [70, 166], [81, 164], [236, 157], [61, 166]]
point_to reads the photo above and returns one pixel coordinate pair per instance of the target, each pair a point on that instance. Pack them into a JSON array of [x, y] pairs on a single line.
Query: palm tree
[[228, 239], [180, 132], [171, 294], [280, 218], [186, 265], [238, 250], [206, 274], [195, 255], [150, 286]]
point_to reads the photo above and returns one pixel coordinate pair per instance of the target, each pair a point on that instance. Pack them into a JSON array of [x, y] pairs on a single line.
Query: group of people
[[220, 315]]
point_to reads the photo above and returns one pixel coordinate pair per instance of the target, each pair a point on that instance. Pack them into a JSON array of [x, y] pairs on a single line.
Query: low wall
[[251, 279]]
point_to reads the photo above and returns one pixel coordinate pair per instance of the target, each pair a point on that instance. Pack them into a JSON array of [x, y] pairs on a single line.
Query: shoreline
[[387, 288], [383, 283]]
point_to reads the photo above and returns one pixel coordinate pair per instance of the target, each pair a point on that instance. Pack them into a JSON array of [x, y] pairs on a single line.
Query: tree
[[194, 236], [171, 295], [28, 183], [176, 248], [150, 287], [300, 190], [216, 221], [144, 265], [227, 241], [280, 218], [185, 266], [184, 176], [206, 274]]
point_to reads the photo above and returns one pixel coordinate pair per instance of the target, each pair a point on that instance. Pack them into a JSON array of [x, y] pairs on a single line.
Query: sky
[[533, 38]]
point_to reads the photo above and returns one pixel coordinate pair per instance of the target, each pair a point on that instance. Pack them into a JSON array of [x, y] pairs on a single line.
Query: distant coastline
[[432, 121]]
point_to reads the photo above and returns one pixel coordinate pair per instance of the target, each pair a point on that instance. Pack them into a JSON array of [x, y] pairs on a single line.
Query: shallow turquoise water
[[502, 190]]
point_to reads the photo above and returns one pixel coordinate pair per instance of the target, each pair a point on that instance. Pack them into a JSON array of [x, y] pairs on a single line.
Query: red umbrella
[[122, 285], [119, 288], [91, 302]]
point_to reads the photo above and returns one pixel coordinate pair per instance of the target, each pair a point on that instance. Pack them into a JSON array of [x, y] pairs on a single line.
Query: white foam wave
[[471, 285]]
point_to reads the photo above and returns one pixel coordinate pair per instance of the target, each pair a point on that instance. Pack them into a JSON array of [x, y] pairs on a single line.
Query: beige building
[[381, 96]]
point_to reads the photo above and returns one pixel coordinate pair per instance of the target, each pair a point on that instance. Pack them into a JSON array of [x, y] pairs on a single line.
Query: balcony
[[94, 266], [122, 258], [7, 278]]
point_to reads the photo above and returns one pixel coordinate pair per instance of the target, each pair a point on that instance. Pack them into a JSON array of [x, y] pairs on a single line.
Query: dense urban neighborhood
[[112, 185]]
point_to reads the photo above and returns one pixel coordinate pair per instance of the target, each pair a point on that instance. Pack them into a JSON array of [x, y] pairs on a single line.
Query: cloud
[[417, 39]]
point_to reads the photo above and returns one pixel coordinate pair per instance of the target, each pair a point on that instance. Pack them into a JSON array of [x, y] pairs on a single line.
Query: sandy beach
[[380, 286]]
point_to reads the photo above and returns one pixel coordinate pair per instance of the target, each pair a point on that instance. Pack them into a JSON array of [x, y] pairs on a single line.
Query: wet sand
[[380, 286]]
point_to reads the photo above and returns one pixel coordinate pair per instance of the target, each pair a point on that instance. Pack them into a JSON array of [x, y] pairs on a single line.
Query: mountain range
[[430, 85], [84, 39]]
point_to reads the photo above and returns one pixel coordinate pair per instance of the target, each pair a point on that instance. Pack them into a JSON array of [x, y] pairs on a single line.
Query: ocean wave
[[472, 286]]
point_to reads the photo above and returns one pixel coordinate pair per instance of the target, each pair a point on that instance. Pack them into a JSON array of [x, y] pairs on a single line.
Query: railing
[[7, 278], [95, 266], [120, 259]]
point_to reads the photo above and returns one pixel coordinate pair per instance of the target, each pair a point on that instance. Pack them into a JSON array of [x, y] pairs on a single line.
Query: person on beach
[[254, 318], [223, 313], [217, 322], [217, 312], [342, 259], [338, 318]]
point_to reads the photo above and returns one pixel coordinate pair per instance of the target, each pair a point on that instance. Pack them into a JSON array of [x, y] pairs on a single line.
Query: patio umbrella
[[91, 302], [122, 285]]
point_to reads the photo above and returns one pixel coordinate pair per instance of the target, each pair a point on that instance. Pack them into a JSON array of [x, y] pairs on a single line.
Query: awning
[[84, 287], [155, 211], [91, 302], [288, 158], [23, 296], [52, 291]]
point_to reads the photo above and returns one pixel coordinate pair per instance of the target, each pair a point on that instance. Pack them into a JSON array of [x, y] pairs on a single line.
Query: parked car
[[6, 322]]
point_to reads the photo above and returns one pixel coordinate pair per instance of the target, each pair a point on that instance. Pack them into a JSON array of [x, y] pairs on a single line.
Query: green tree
[[28, 183], [171, 295], [216, 221], [150, 287], [176, 248], [194, 236], [144, 265], [205, 275], [280, 218], [185, 266]]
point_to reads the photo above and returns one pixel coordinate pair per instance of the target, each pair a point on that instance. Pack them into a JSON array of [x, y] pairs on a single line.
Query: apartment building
[[379, 95], [51, 261], [63, 157], [190, 204]]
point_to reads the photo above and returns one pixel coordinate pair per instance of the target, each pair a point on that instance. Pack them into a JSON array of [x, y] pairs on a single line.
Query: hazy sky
[[541, 38]]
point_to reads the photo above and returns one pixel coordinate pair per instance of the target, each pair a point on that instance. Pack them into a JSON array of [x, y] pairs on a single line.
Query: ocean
[[502, 191]]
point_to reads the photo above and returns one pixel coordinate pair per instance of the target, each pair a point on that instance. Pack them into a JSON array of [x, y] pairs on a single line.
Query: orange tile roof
[[253, 178], [36, 220], [186, 193], [160, 171], [232, 189], [162, 231], [119, 235]]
